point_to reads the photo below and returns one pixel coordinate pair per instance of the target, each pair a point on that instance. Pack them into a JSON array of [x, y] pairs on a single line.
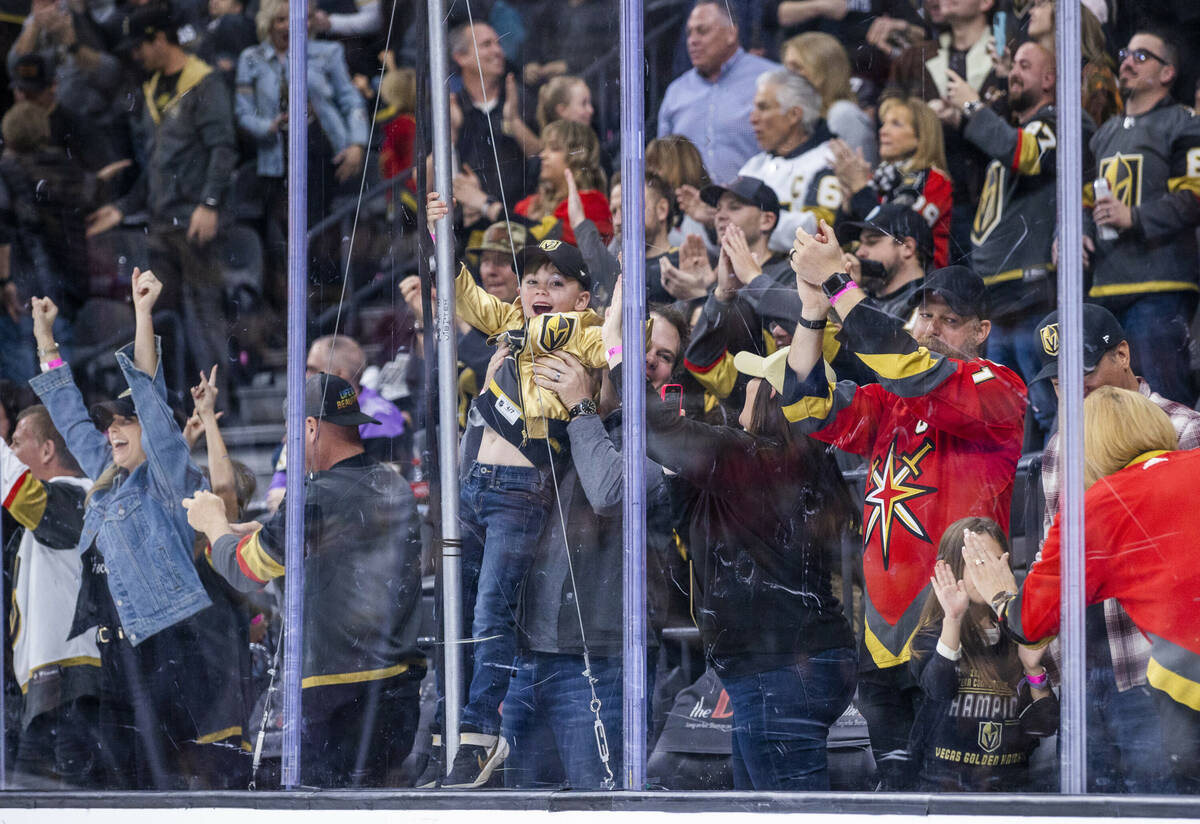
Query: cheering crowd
[[851, 264]]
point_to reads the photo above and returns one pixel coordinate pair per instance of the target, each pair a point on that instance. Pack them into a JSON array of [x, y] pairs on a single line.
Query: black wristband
[[587, 406], [812, 324]]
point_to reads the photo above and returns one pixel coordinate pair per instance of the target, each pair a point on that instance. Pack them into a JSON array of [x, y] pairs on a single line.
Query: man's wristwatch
[[587, 406], [835, 284], [971, 106]]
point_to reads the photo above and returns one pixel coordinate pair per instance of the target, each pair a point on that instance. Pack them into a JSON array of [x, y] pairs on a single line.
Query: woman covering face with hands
[[987, 699]]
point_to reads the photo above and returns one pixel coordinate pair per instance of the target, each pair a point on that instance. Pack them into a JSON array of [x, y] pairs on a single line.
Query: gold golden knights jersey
[[526, 415]]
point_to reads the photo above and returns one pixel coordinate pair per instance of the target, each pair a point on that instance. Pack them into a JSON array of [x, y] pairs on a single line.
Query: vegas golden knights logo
[[989, 735], [1049, 336], [549, 245], [1124, 175], [556, 331], [991, 204]]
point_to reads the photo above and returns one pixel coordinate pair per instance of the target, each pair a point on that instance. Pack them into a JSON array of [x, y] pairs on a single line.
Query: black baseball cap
[[961, 288], [743, 187], [32, 73], [1101, 332], [144, 23], [332, 399], [565, 258], [104, 412], [898, 221]]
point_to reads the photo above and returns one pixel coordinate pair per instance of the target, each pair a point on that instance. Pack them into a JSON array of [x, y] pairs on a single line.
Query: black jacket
[[760, 562]]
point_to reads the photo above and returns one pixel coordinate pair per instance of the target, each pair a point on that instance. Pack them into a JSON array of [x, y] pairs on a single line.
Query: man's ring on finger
[[557, 375], [978, 562]]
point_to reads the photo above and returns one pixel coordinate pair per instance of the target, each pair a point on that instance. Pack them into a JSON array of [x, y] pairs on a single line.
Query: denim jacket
[[139, 524], [337, 105]]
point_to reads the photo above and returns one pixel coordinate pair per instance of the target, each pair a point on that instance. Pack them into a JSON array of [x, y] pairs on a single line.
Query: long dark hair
[[836, 511], [977, 654]]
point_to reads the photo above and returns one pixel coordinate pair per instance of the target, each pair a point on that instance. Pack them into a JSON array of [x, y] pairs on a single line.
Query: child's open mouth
[[542, 307]]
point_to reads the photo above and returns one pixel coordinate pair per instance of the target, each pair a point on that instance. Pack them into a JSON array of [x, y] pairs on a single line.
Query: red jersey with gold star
[[942, 438]]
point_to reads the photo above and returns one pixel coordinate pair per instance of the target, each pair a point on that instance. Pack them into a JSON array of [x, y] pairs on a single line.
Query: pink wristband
[[1038, 680], [616, 350], [842, 291], [54, 364]]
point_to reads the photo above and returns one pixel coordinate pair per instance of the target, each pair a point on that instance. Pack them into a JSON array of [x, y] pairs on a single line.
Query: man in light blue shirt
[[710, 104]]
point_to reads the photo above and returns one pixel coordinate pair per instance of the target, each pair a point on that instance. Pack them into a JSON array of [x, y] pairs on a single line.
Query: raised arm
[[172, 472], [57, 390], [146, 289], [220, 466]]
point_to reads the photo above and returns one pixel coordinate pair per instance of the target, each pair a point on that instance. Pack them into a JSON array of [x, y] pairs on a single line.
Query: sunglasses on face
[[1139, 56]]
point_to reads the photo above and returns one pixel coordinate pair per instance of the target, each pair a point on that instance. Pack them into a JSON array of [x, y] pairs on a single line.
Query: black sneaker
[[435, 767], [478, 757]]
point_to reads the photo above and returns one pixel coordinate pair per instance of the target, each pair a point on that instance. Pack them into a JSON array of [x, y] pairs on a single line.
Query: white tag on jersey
[[507, 409]]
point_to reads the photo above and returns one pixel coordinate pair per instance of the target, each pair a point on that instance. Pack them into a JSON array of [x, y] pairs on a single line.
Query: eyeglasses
[[1139, 56]]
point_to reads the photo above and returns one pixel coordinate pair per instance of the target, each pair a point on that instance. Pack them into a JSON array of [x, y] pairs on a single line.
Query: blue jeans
[[781, 720], [503, 511], [1015, 344], [550, 727], [1125, 739], [1156, 327]]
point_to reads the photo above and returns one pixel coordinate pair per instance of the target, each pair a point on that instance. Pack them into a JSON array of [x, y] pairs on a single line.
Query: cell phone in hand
[[675, 391], [1000, 31]]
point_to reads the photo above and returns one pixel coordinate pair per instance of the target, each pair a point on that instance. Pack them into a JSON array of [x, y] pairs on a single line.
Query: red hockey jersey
[[942, 438], [1140, 534]]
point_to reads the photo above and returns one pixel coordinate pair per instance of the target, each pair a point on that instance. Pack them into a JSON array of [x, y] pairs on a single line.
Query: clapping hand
[[852, 169], [815, 257], [689, 202], [744, 264]]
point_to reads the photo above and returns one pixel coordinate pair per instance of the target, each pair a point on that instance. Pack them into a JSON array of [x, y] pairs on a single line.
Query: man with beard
[[942, 432], [1014, 225], [1146, 274], [894, 249]]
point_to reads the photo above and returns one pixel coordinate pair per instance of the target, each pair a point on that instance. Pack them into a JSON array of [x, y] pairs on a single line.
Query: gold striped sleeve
[[1184, 184], [808, 408], [896, 367], [254, 561], [26, 501], [1183, 690]]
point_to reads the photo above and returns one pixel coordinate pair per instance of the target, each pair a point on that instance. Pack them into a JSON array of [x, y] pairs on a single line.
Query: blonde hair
[[399, 88], [826, 66], [676, 160], [1119, 425], [266, 13], [931, 147], [102, 484], [556, 92]]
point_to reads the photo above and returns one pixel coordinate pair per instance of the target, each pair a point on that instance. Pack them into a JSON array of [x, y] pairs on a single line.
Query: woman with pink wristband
[[987, 699]]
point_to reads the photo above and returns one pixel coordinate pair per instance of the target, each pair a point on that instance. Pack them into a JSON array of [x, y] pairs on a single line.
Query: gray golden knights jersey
[[1152, 164], [1014, 224]]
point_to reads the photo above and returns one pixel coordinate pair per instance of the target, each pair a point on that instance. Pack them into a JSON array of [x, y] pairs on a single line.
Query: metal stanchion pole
[[633, 423], [297, 313], [1073, 730], [447, 359]]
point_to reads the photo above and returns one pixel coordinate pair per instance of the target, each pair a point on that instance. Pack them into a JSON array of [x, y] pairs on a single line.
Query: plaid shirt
[[1129, 648]]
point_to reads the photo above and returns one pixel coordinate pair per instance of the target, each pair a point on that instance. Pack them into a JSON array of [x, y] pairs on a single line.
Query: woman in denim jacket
[[171, 658], [335, 118]]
